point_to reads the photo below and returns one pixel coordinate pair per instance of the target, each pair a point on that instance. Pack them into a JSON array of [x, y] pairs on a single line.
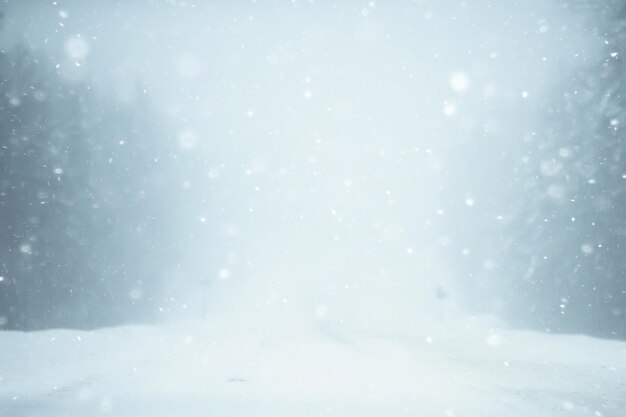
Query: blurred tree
[[84, 236], [563, 266], [135, 190], [40, 251]]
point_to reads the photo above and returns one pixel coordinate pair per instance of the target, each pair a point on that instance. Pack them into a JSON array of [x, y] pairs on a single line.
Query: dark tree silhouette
[[84, 236], [564, 265]]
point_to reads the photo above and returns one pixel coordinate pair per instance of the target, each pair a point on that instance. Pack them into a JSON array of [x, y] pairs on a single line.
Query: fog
[[304, 208], [350, 165]]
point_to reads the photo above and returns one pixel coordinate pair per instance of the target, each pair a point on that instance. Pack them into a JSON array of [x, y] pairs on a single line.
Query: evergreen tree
[[84, 238], [564, 264]]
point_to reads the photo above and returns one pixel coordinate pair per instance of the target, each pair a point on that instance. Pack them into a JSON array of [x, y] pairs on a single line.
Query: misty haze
[[312, 208]]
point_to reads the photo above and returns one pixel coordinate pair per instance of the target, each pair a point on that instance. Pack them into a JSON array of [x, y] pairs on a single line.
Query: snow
[[459, 81], [77, 48], [449, 109], [465, 367], [188, 139]]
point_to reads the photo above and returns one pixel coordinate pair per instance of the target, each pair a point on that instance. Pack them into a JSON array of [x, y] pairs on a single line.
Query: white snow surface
[[465, 367]]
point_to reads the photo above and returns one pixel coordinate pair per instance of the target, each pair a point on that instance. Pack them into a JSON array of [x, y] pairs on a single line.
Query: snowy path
[[466, 368]]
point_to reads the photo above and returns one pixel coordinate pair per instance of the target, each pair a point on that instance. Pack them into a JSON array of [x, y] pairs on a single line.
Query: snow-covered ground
[[469, 367]]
